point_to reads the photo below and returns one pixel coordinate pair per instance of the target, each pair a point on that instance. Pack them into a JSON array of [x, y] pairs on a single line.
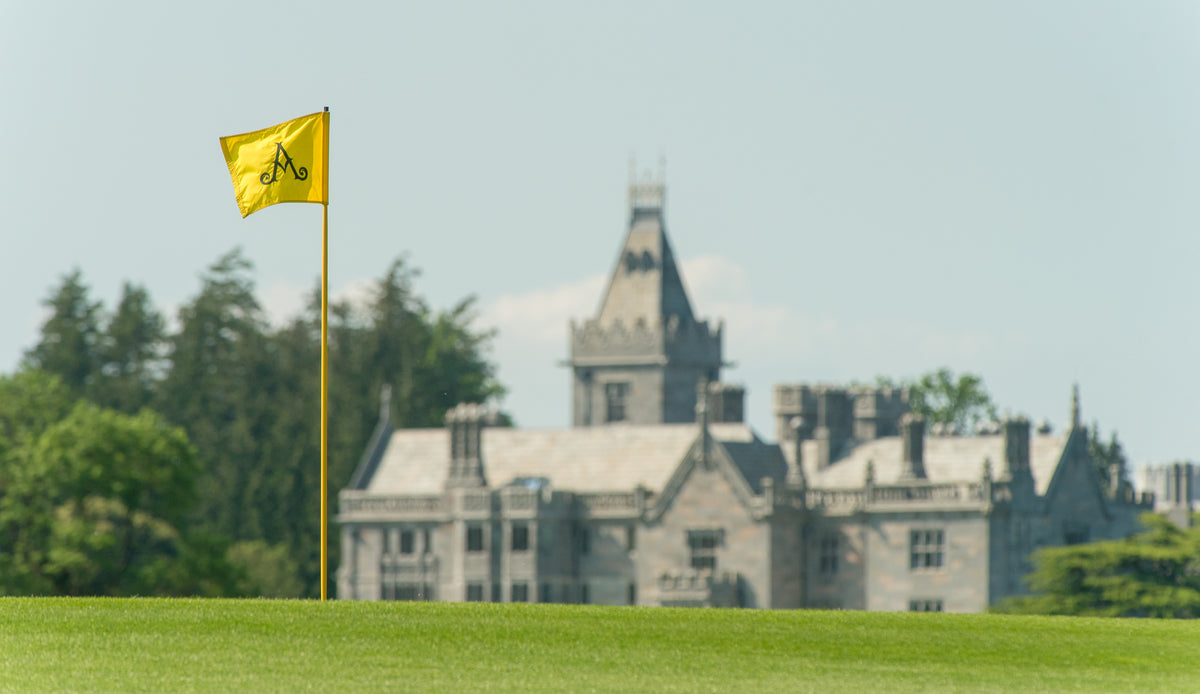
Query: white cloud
[[282, 300], [541, 316]]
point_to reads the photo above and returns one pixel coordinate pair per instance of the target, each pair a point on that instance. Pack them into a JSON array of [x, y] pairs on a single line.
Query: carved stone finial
[[795, 473], [647, 193]]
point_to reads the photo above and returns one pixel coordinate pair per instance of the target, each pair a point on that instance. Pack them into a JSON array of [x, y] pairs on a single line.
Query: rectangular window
[[631, 538], [520, 592], [474, 592], [520, 538], [924, 605], [926, 549], [1075, 533], [544, 593], [583, 539], [632, 594], [702, 545], [495, 592], [474, 538], [615, 395], [545, 538], [829, 549], [583, 594], [406, 541], [427, 547]]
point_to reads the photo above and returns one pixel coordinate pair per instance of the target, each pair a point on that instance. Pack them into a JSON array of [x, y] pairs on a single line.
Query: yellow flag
[[282, 163]]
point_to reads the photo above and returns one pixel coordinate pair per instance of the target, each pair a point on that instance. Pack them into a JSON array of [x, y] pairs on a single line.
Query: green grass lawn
[[61, 645]]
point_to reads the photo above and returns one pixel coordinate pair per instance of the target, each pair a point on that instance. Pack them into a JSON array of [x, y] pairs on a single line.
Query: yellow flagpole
[[325, 369]]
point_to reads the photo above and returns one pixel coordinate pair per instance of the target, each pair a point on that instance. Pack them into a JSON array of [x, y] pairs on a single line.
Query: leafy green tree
[[69, 346], [96, 502], [30, 402], [98, 546], [1153, 574], [941, 397]]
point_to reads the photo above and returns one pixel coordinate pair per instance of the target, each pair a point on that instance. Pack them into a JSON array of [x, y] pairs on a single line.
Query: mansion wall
[[660, 495]]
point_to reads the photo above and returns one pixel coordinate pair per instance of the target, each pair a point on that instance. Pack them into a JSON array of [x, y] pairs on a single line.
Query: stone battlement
[[673, 339]]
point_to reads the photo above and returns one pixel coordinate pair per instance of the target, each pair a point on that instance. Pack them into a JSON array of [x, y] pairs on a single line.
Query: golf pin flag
[[282, 163]]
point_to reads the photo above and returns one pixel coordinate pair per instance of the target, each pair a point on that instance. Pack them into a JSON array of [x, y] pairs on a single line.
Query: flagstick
[[324, 395], [325, 369]]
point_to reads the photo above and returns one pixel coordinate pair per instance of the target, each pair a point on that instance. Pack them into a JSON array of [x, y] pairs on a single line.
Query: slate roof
[[645, 286], [585, 459], [947, 459]]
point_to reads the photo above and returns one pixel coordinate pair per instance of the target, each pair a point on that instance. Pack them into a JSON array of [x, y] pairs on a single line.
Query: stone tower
[[640, 359]]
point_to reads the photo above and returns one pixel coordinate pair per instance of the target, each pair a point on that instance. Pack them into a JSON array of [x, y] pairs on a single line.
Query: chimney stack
[[912, 432]]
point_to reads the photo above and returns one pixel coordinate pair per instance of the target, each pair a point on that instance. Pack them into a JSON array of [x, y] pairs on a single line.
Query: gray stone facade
[[660, 494]]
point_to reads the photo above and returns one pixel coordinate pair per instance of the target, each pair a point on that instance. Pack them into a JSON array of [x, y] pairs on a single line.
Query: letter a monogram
[[285, 164]]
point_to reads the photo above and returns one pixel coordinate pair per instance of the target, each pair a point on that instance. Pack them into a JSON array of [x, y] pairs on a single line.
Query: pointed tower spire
[[641, 358], [645, 286]]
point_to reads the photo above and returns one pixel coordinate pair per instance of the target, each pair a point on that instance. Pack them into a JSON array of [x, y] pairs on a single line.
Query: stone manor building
[[660, 494]]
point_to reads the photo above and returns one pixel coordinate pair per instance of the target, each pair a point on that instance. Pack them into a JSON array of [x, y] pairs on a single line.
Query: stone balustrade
[[609, 504], [391, 506], [697, 588], [881, 497]]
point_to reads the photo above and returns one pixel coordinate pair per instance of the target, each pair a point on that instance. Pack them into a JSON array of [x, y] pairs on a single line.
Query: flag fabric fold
[[282, 163]]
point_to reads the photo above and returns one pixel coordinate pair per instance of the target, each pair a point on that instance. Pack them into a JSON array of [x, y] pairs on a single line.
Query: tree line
[[138, 459], [141, 460]]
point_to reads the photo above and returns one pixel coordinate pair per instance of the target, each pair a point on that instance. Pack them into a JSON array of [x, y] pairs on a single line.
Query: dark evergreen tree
[[70, 342], [248, 397], [131, 353], [218, 387]]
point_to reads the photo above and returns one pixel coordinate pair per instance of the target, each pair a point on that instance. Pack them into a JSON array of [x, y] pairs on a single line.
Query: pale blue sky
[[856, 188]]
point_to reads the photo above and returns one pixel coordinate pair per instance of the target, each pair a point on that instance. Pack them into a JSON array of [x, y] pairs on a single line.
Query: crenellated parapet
[[670, 341], [616, 342]]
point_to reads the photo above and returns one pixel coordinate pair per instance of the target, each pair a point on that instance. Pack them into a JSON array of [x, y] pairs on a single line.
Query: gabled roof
[[1074, 453], [645, 285], [947, 459], [586, 459]]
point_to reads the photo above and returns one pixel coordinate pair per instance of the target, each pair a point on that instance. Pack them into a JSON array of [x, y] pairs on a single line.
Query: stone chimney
[[1016, 447], [834, 421], [912, 434], [727, 403], [465, 423], [795, 473], [877, 412]]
